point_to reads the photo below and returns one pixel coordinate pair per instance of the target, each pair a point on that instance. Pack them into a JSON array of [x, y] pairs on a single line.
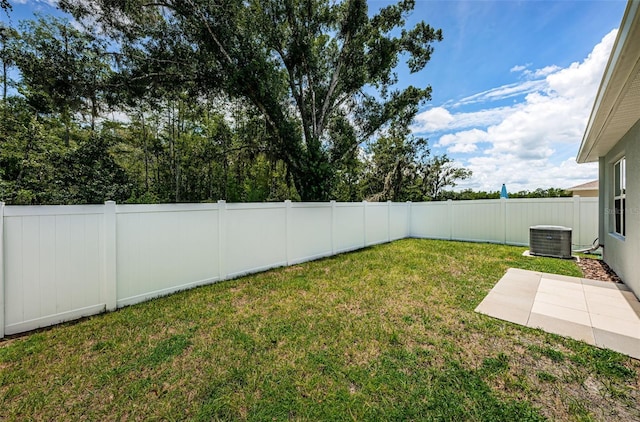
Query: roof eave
[[624, 59]]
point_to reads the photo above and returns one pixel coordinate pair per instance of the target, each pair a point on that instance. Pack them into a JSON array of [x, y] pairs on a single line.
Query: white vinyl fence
[[59, 263], [505, 221]]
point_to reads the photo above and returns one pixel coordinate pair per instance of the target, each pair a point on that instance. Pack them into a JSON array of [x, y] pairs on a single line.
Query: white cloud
[[463, 148], [52, 3], [519, 144], [433, 120], [540, 73], [439, 119], [519, 68], [489, 172], [503, 92], [464, 141]]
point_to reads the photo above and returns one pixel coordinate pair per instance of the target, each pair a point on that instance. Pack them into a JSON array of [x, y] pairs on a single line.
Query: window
[[619, 195]]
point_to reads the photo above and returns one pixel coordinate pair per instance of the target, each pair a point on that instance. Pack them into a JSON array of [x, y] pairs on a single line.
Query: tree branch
[[334, 81]]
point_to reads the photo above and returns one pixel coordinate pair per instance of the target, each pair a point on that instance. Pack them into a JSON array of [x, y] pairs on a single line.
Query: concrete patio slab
[[561, 327], [599, 313]]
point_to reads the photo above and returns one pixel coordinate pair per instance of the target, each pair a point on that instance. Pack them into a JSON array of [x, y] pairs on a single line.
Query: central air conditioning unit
[[554, 241]]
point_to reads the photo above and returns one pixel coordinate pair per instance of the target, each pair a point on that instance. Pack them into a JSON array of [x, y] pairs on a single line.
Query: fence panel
[[255, 238], [348, 226], [164, 248], [524, 213], [53, 265], [431, 220], [309, 231], [377, 223], [477, 221], [399, 220], [588, 222], [505, 221]]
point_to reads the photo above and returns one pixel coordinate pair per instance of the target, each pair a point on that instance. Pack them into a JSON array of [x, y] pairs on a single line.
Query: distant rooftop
[[585, 186]]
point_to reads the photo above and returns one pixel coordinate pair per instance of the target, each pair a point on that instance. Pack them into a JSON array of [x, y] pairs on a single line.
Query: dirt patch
[[596, 269]]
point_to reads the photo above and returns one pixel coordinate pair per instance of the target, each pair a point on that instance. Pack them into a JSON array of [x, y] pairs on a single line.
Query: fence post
[[450, 215], [503, 218], [287, 230], [388, 221], [222, 240], [333, 227], [364, 223], [576, 238], [1, 269], [409, 226], [110, 286]]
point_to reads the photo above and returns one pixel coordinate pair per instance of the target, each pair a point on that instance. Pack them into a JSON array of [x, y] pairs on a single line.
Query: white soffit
[[617, 105]]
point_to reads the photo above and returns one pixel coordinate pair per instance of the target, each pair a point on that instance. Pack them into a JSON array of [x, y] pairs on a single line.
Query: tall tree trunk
[[65, 113], [146, 153], [174, 151], [94, 113], [4, 82], [67, 133]]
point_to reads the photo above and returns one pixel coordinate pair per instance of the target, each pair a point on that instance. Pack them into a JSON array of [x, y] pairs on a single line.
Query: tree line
[[189, 101], [468, 194]]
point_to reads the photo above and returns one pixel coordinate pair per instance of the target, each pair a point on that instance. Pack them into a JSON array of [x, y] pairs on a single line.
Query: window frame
[[619, 196]]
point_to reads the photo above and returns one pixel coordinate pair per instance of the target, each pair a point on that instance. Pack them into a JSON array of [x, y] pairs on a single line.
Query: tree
[[438, 173], [63, 70], [394, 164], [30, 155], [90, 174], [321, 73], [8, 37]]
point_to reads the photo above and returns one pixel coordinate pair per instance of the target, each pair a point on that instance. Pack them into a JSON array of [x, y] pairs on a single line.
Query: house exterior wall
[[602, 194], [586, 193], [622, 253]]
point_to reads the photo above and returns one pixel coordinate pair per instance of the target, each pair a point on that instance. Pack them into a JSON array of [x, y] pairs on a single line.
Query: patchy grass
[[385, 333]]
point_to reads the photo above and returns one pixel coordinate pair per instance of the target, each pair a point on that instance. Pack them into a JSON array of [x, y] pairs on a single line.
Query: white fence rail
[[59, 263]]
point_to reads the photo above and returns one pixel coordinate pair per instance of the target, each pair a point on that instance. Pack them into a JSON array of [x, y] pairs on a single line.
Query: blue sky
[[513, 84]]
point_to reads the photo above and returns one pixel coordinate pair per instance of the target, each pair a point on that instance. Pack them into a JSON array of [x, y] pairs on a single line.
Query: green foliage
[[30, 155], [537, 193], [37, 168], [321, 74], [393, 167], [194, 101], [399, 168], [440, 173], [91, 176], [64, 70]]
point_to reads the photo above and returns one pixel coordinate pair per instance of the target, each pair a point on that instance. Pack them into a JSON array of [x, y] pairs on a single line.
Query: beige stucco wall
[[623, 254], [586, 193]]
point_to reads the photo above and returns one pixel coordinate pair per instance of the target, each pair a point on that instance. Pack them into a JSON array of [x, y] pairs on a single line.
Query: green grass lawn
[[386, 333]]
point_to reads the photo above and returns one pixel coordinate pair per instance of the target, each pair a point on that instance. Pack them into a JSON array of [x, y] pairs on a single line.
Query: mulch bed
[[597, 269]]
